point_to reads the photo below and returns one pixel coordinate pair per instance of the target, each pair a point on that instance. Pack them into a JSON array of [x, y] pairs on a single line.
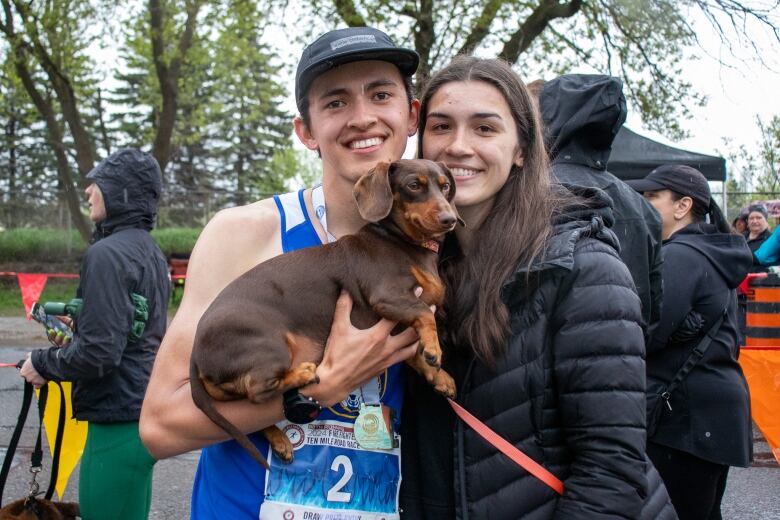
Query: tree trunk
[[10, 134], [70, 193], [82, 141], [168, 74]]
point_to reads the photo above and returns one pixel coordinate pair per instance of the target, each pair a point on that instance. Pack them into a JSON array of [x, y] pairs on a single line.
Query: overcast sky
[[736, 91]]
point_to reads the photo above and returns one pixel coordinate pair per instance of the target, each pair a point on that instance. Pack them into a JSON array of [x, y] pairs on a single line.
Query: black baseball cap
[[687, 181], [342, 46]]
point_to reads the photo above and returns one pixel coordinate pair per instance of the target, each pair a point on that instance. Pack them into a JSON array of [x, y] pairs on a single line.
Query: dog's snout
[[446, 219]]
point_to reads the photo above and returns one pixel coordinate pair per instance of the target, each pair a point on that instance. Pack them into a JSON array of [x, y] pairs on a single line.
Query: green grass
[[56, 290], [56, 245], [40, 245]]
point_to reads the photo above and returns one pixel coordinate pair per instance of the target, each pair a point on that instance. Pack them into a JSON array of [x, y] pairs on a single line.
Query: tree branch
[[348, 12], [481, 26], [533, 26]]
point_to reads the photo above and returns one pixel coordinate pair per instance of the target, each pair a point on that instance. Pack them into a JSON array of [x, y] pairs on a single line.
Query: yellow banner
[[73, 438]]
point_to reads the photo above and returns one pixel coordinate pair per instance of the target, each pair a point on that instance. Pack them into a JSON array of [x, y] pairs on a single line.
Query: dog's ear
[[373, 194], [451, 194]]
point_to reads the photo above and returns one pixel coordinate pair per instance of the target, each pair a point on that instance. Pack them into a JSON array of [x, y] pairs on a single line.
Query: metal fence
[[49, 209]]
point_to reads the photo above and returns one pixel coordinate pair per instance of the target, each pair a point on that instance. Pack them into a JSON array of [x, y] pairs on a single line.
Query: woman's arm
[[600, 381]]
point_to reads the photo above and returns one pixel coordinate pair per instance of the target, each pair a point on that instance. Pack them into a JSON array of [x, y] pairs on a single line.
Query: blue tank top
[[330, 471]]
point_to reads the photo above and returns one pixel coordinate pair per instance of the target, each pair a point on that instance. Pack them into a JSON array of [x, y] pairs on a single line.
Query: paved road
[[752, 493]]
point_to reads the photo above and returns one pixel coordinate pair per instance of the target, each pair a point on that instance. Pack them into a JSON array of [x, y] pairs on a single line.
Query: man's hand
[[353, 356], [31, 375]]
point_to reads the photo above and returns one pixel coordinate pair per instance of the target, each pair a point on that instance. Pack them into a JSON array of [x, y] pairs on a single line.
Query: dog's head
[[416, 194]]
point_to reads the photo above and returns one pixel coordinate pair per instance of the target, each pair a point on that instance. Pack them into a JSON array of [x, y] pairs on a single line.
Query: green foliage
[[55, 245], [642, 41], [759, 171], [176, 240], [300, 167], [249, 127], [40, 245]]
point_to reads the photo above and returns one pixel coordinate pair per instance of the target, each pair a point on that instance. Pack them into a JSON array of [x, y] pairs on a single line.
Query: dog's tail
[[205, 402]]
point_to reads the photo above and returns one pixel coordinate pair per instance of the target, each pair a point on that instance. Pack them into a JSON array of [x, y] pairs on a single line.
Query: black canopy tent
[[634, 156]]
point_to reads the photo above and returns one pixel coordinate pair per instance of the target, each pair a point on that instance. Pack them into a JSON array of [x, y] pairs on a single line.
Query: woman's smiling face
[[470, 128]]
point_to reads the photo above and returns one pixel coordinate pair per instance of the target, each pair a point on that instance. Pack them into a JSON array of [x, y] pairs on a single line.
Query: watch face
[[299, 409], [303, 412]]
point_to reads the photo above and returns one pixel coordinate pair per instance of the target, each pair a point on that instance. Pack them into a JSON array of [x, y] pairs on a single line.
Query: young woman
[[541, 325], [706, 426]]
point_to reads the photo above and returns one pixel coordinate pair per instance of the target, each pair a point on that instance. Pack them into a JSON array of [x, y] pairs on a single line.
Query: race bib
[[332, 477]]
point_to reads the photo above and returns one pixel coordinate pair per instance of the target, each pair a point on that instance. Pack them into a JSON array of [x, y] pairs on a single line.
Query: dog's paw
[[444, 384], [283, 450]]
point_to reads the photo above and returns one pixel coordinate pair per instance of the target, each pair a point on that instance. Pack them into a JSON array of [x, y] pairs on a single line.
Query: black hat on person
[[342, 46], [687, 181]]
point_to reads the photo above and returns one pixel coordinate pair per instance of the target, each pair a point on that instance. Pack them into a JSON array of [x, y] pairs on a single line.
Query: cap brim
[[406, 60], [643, 185]]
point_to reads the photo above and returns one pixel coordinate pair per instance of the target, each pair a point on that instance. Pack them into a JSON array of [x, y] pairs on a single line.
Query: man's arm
[[233, 242]]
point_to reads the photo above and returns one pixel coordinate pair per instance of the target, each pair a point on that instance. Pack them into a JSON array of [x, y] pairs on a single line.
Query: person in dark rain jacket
[[107, 362], [582, 114], [705, 428]]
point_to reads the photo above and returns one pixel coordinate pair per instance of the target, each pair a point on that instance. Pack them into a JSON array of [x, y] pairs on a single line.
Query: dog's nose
[[446, 219]]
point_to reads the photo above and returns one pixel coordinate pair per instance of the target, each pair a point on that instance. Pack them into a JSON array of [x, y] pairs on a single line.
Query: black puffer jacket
[[109, 372], [569, 392], [710, 415], [582, 115]]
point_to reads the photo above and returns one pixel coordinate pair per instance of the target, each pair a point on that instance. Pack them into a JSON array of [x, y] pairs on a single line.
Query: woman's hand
[[353, 356]]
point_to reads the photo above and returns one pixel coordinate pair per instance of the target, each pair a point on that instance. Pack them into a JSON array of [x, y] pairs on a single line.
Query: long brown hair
[[515, 231]]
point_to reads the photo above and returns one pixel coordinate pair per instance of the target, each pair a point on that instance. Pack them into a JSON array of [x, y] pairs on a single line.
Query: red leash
[[520, 458]]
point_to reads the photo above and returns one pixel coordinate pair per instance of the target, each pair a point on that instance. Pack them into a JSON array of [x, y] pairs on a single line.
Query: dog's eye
[[414, 186], [445, 187]]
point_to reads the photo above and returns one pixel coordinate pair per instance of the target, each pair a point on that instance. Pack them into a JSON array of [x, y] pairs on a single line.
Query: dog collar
[[431, 244]]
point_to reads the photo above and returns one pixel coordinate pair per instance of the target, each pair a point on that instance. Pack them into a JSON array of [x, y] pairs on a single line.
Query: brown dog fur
[[39, 509], [265, 332]]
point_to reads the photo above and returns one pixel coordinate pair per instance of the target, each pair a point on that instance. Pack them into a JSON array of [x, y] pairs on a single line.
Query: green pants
[[115, 480]]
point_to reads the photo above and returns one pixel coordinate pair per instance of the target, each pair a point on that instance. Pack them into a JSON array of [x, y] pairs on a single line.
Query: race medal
[[371, 428]]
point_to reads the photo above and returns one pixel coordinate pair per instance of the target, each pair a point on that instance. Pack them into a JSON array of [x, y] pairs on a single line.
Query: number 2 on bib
[[335, 494]]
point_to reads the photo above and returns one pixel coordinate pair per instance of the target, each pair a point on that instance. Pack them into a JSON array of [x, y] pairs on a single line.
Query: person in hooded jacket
[[582, 114], [108, 363], [541, 327], [704, 424]]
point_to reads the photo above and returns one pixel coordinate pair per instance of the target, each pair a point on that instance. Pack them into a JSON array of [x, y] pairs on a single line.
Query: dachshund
[[265, 333]]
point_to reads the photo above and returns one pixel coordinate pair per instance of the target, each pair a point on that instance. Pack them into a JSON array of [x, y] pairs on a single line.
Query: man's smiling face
[[359, 115]]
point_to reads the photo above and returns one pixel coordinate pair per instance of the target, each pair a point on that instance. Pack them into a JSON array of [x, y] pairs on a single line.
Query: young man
[[352, 90], [112, 352]]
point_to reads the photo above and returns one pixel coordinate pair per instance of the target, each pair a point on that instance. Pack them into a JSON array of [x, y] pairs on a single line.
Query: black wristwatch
[[300, 409]]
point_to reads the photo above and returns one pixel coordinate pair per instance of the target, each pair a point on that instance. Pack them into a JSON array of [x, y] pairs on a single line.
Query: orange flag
[[31, 286], [762, 371]]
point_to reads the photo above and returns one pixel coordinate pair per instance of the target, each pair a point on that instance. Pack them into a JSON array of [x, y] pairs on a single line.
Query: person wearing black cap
[[352, 88], [110, 357], [702, 425]]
